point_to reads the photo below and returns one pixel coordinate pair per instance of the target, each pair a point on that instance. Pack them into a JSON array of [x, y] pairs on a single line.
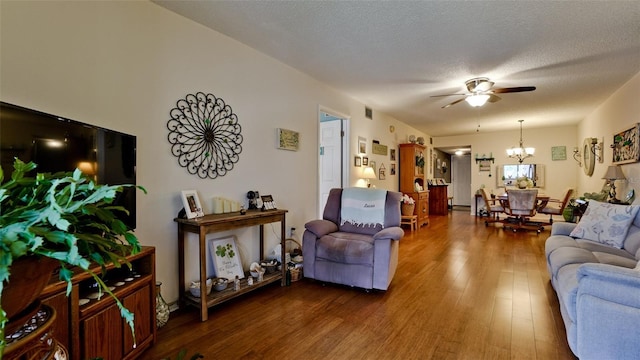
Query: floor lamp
[[614, 172]]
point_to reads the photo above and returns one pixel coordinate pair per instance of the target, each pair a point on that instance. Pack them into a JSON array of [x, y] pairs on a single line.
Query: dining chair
[[493, 207], [522, 206], [555, 206]]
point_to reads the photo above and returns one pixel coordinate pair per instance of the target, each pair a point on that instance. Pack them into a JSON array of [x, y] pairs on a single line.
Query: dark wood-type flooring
[[461, 291]]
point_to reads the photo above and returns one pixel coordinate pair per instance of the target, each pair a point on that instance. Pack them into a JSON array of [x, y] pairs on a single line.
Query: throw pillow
[[606, 223]]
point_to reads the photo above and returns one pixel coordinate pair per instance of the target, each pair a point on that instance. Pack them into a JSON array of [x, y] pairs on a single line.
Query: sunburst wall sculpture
[[205, 135]]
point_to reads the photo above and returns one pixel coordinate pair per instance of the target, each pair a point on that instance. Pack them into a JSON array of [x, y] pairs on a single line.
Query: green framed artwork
[[558, 153]]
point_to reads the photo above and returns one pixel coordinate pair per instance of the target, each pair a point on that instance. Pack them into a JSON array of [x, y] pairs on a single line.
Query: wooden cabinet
[[95, 328], [438, 202], [412, 178]]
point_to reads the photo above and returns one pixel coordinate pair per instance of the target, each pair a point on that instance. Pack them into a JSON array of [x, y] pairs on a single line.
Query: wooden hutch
[[412, 178]]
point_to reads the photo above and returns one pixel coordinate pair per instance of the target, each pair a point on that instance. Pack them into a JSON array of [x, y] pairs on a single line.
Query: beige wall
[[619, 112], [123, 66], [559, 174]]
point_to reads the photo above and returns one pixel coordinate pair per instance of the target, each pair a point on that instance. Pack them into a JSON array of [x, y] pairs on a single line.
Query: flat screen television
[[58, 144]]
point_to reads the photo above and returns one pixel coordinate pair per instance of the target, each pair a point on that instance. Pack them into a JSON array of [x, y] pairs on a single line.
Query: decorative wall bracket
[[205, 135]]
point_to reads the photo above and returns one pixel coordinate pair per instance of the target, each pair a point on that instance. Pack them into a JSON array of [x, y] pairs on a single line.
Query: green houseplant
[[65, 217]]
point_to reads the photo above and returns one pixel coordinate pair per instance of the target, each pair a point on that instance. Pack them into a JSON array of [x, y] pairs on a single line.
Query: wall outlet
[[292, 231]]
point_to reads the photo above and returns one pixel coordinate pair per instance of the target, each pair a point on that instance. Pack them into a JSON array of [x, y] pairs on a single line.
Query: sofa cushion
[[346, 248], [611, 259], [564, 256], [595, 246], [606, 223], [632, 242]]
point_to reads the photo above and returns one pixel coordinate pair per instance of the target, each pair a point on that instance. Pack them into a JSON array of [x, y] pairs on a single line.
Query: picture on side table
[[226, 259], [191, 204]]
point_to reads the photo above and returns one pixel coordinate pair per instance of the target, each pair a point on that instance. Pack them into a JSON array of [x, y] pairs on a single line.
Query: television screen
[[57, 144]]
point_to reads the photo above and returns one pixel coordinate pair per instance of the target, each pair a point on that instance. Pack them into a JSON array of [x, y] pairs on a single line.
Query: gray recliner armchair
[[357, 253]]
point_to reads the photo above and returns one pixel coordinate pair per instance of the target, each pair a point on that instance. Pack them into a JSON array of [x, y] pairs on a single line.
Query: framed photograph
[[625, 146], [441, 181], [226, 258], [485, 165], [382, 172], [372, 164], [362, 145], [392, 171], [392, 154], [558, 153], [288, 139], [357, 161], [365, 161], [191, 204]]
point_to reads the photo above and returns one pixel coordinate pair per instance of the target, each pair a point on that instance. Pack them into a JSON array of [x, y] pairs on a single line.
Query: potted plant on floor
[[64, 217]]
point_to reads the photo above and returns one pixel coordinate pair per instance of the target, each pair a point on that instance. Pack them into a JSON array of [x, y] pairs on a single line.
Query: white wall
[[619, 112], [123, 66], [559, 174]]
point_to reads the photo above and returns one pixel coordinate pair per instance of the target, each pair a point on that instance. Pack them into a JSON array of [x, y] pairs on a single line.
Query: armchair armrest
[[390, 233], [562, 228], [321, 227]]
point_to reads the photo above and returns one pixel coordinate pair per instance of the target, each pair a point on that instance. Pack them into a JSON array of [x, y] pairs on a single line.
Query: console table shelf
[[222, 222]]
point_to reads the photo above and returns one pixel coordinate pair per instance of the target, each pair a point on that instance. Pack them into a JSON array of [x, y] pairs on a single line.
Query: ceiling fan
[[481, 90]]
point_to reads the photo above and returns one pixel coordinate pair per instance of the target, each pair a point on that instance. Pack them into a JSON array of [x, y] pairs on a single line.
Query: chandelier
[[521, 152]]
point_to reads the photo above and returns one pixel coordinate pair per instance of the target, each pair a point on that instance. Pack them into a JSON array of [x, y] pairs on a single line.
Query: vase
[[162, 308], [407, 209], [30, 274]]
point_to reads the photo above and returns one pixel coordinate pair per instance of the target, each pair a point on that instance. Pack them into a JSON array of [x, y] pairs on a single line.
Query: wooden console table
[[222, 222]]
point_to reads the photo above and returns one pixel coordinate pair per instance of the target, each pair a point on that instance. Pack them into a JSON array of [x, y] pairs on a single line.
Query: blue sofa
[[598, 288]]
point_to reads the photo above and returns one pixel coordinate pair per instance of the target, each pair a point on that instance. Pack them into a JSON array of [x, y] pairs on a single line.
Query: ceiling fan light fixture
[[477, 100]]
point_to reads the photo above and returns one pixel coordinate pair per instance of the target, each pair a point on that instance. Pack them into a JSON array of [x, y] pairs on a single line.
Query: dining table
[[541, 200]]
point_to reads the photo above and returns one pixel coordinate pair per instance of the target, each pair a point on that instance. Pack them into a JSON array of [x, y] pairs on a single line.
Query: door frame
[[345, 175]]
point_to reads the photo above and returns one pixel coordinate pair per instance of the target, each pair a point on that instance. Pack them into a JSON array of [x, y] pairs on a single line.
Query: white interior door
[[331, 156], [461, 179]]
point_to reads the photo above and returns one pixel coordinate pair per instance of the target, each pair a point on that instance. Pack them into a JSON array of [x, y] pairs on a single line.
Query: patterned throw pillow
[[606, 223]]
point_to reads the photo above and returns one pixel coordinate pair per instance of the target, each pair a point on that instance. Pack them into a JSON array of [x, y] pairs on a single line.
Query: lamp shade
[[614, 172], [368, 173]]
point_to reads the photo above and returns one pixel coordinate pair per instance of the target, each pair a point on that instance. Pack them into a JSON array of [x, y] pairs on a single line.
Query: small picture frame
[[392, 171], [365, 161], [191, 204], [226, 258], [288, 139], [362, 145], [357, 161], [381, 172], [268, 203], [558, 153], [392, 154], [626, 145], [441, 181]]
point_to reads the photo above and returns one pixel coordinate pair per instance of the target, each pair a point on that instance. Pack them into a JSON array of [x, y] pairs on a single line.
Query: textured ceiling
[[393, 55]]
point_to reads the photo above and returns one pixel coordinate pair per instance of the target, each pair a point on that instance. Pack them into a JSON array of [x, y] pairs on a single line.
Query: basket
[[407, 209], [296, 274]]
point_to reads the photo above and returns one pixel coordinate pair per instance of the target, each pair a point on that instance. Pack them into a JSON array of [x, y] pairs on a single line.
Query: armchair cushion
[[347, 248]]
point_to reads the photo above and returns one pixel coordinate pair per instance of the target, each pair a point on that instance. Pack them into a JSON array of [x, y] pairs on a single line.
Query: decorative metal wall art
[[205, 135]]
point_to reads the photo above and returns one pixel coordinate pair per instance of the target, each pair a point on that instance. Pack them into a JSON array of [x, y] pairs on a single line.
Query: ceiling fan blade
[[513, 89], [453, 103], [449, 95], [494, 98]]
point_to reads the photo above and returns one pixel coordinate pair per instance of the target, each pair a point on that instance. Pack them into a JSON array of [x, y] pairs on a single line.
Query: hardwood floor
[[461, 291]]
